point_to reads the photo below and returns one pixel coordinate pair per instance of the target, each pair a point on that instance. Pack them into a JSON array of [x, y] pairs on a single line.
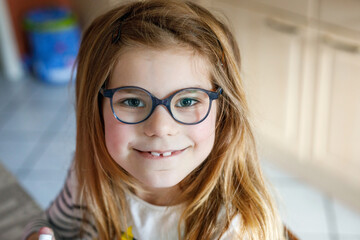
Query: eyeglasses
[[132, 105]]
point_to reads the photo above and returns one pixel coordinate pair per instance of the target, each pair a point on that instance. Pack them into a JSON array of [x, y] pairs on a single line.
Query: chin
[[161, 182]]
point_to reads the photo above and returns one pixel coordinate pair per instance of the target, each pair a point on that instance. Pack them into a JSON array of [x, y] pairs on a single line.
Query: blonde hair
[[230, 177]]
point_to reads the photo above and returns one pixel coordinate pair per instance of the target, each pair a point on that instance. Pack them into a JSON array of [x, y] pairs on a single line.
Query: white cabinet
[[271, 51], [337, 116], [275, 87], [301, 67]]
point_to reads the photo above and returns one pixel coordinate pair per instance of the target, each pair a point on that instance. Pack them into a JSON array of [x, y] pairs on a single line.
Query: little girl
[[164, 146]]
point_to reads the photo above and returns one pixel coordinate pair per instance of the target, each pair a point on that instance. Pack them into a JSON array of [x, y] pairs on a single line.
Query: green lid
[[49, 19]]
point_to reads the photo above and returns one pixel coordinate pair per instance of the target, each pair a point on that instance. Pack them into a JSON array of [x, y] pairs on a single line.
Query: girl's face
[[136, 147]]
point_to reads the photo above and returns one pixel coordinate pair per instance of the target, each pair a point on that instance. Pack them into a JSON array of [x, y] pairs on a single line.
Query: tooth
[[166, 154], [155, 154]]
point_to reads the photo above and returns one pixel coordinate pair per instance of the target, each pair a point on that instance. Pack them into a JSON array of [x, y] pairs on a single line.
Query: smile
[[165, 154], [160, 154]]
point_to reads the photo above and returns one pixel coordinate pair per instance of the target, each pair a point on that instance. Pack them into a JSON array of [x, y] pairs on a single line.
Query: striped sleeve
[[65, 215]]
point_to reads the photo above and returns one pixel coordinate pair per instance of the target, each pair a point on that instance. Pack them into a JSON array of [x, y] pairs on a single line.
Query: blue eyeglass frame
[[213, 95]]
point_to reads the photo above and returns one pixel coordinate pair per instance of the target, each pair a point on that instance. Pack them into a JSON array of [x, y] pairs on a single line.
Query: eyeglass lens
[[133, 105]]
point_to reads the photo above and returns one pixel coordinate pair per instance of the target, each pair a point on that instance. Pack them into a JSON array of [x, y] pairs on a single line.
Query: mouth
[[160, 154]]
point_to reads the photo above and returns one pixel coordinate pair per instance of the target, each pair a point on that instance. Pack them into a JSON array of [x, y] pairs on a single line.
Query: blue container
[[54, 39]]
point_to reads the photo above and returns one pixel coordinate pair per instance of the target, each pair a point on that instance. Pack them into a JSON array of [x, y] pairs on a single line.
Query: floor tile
[[33, 105], [19, 136], [306, 216], [348, 221], [307, 236], [302, 209], [349, 237], [66, 124], [5, 99], [13, 154], [8, 111], [11, 90], [32, 116], [331, 217], [44, 186], [62, 93], [57, 155]]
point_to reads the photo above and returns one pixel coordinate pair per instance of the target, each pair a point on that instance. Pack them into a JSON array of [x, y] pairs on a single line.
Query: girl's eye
[[186, 102], [133, 102]]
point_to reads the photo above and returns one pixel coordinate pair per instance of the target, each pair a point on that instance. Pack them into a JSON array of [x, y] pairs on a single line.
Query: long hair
[[229, 178]]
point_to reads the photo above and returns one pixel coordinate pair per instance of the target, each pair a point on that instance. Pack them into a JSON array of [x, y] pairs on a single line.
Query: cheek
[[117, 135], [203, 134]]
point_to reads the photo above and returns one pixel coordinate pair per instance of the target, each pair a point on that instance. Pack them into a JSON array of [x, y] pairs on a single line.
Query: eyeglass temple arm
[[105, 93], [216, 95]]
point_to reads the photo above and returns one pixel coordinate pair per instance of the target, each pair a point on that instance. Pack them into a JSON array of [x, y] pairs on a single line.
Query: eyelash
[[126, 102], [193, 102]]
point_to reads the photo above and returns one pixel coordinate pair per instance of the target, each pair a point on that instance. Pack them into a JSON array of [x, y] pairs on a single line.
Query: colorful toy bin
[[54, 39]]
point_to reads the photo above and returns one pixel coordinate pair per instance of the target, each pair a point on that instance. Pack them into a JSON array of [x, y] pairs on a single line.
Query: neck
[[160, 196]]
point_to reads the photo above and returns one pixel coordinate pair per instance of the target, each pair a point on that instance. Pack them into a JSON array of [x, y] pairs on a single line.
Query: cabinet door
[[275, 87], [337, 131], [271, 52]]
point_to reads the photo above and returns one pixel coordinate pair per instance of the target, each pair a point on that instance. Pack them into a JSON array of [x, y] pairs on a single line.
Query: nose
[[160, 123]]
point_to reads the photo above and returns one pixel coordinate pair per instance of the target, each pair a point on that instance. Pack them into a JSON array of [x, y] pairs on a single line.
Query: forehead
[[161, 71]]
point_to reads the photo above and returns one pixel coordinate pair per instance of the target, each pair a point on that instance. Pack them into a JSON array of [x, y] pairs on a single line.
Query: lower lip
[[150, 156]]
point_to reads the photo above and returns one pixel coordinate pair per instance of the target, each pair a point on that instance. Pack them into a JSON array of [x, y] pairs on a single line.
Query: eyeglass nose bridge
[[156, 102]]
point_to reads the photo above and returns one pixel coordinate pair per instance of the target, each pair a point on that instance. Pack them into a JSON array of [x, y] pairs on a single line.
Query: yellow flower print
[[128, 235]]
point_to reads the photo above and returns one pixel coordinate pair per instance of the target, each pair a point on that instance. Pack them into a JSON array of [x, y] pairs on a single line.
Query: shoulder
[[233, 231], [71, 183], [69, 194]]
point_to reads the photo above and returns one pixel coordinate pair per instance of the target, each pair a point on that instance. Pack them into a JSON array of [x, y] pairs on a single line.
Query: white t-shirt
[[150, 222], [145, 221]]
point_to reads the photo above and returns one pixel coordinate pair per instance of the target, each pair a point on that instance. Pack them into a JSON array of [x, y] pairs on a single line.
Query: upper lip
[[160, 151]]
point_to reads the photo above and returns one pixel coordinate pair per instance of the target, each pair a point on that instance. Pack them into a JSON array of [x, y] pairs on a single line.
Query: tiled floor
[[37, 142]]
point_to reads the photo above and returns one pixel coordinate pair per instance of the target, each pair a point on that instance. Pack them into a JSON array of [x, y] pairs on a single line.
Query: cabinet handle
[[280, 26], [341, 45]]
